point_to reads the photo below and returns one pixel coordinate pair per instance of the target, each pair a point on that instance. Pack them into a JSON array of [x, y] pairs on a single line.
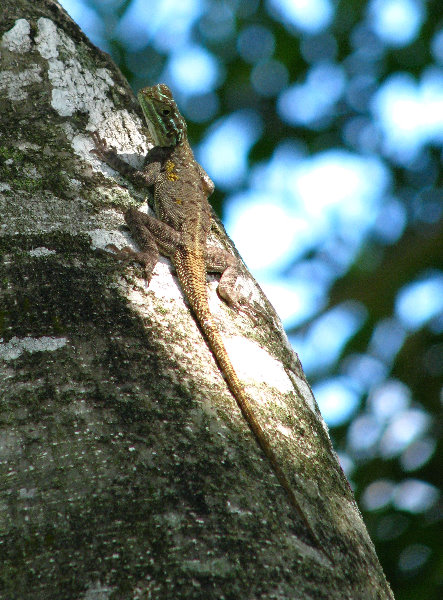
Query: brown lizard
[[180, 231]]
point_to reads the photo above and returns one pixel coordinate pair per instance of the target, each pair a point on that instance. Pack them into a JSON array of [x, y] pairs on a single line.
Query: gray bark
[[127, 470]]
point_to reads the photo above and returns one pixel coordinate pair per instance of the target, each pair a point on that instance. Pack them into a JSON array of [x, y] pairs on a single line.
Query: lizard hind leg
[[220, 261]]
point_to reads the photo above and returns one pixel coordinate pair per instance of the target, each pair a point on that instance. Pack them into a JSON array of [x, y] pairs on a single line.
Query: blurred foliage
[[407, 540]]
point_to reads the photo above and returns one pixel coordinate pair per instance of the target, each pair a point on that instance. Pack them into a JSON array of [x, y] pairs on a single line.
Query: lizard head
[[166, 125]]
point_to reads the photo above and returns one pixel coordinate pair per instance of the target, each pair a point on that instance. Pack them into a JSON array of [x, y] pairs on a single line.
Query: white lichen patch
[[14, 84], [49, 39], [77, 89], [18, 39], [16, 346], [251, 361], [162, 286], [71, 82], [41, 251], [285, 431], [101, 238]]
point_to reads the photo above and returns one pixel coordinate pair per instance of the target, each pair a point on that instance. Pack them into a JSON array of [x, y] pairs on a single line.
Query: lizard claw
[[250, 311], [239, 303], [102, 150], [245, 307], [125, 253]]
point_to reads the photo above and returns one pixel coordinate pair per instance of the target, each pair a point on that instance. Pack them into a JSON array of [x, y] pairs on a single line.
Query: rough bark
[[126, 468]]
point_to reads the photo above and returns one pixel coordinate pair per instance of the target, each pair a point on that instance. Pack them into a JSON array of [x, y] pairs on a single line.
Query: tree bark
[[127, 470]]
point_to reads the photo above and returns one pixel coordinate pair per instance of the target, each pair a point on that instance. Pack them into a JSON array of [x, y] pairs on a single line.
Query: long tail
[[218, 349], [196, 292]]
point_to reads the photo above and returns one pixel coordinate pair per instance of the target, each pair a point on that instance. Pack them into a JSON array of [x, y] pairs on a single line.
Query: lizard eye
[[165, 112]]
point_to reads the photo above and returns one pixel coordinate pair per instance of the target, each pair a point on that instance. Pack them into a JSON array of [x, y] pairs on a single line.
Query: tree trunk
[[127, 470]]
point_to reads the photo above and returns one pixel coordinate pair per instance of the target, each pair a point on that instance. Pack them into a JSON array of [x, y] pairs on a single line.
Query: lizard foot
[[128, 254], [245, 307], [102, 150], [255, 314]]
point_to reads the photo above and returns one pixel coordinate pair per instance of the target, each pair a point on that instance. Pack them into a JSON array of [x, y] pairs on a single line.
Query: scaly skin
[[180, 231]]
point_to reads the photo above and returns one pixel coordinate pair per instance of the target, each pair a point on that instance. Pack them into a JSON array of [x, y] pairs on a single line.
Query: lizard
[[179, 230]]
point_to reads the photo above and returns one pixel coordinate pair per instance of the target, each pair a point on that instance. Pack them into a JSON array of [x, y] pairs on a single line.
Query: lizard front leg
[[144, 177], [108, 155]]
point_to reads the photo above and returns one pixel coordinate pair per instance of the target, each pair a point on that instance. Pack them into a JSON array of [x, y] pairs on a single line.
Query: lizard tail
[[215, 343], [196, 292]]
